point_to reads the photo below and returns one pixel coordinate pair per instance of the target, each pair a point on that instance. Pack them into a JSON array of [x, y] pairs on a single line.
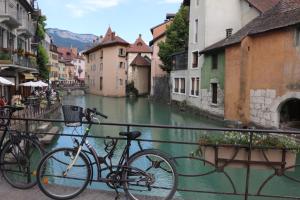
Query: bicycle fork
[[73, 162]]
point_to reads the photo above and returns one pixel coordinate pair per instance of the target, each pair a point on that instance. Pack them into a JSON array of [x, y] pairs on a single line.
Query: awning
[[28, 76]]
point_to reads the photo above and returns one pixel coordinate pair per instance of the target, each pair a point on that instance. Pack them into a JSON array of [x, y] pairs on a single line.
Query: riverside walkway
[[9, 193]]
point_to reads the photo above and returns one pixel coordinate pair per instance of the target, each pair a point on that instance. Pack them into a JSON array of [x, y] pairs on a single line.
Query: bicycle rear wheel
[[55, 181], [19, 161], [150, 175]]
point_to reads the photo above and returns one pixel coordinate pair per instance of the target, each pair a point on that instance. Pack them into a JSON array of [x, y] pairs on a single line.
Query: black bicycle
[[65, 172], [20, 152]]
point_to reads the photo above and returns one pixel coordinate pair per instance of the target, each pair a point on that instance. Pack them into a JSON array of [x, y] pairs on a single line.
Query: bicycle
[[65, 172], [20, 152]]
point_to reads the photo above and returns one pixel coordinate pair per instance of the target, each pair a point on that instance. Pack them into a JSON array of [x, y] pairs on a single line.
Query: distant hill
[[64, 38]]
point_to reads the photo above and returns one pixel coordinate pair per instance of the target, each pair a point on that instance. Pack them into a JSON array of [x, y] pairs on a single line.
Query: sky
[[128, 18]]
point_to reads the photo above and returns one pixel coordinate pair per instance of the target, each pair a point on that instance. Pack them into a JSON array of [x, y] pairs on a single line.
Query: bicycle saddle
[[131, 135]]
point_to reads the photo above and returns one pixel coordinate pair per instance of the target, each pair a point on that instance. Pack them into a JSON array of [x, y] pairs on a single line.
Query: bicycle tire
[[50, 172], [19, 159], [154, 161]]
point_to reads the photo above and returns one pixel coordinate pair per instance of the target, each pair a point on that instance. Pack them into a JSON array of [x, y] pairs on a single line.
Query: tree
[[42, 60], [42, 55], [177, 36]]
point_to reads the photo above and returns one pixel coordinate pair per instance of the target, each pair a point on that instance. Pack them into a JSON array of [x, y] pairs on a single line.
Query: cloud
[[81, 7]]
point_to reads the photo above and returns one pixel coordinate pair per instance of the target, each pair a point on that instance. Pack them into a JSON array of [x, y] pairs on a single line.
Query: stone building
[[201, 82], [17, 45], [262, 68], [106, 68]]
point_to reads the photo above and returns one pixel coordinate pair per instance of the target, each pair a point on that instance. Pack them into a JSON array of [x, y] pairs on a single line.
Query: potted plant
[[4, 58], [269, 151]]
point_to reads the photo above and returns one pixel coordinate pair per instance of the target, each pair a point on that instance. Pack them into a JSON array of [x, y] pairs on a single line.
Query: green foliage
[[4, 56], [42, 60], [130, 89], [177, 36], [41, 24], [258, 140]]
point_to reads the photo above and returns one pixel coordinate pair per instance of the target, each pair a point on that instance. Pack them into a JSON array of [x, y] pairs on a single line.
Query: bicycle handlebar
[[96, 112]]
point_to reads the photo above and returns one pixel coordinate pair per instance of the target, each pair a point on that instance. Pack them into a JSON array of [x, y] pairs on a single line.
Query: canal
[[142, 111]]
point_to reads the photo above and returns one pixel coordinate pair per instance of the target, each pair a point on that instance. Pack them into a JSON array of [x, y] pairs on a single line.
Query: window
[[182, 85], [101, 67], [197, 2], [176, 88], [195, 86], [214, 87], [101, 54], [101, 83], [298, 37], [195, 59], [121, 52], [196, 30], [229, 32], [121, 81], [121, 64], [215, 61]]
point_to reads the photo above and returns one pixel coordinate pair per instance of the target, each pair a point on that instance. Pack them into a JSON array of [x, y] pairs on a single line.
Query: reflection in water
[[141, 111]]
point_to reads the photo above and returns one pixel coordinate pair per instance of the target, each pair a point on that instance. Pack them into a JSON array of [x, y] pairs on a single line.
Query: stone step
[[47, 139]]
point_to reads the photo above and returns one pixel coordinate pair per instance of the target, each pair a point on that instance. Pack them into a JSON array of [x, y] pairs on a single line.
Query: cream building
[[106, 66]]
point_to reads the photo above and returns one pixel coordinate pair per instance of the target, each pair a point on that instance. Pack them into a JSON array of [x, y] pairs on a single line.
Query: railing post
[[26, 126], [248, 166]]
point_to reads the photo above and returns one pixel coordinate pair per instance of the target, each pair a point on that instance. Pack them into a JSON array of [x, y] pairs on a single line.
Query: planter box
[[5, 62], [275, 157]]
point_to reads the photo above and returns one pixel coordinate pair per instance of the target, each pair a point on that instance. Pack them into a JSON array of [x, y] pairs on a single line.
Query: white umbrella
[[28, 84], [41, 84], [4, 81], [34, 84]]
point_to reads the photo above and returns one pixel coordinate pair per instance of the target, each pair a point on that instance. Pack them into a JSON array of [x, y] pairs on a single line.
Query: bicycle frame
[[98, 160]]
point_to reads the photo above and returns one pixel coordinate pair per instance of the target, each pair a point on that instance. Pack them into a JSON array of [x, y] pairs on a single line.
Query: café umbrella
[[34, 84], [4, 81]]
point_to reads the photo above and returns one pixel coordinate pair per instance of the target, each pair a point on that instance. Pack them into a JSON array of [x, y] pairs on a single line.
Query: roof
[[141, 61], [139, 46], [263, 5], [110, 39], [286, 13], [157, 38]]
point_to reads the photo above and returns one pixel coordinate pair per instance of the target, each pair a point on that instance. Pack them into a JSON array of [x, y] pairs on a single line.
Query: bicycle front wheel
[[62, 176], [150, 174], [19, 161]]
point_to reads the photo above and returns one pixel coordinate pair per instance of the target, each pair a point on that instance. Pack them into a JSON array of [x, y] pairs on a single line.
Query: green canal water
[[142, 111]]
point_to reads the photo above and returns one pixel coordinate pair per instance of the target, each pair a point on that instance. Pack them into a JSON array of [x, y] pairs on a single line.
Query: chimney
[[140, 35]]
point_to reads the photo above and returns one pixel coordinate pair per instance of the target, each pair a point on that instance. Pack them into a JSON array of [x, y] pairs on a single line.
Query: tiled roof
[[286, 13], [139, 46], [141, 61], [157, 38], [263, 5], [109, 39]]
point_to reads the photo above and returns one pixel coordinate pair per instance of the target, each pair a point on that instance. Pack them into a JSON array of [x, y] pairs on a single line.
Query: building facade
[[201, 84], [17, 51], [106, 68], [158, 76], [261, 69]]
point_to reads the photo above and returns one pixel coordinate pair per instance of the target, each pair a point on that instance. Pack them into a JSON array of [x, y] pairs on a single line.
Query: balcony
[[27, 28], [17, 58], [180, 61], [9, 14]]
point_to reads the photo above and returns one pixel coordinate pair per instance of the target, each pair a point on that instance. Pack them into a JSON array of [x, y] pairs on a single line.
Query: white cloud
[[81, 7]]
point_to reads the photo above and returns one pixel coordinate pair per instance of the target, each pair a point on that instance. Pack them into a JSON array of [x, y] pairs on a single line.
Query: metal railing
[[238, 188], [180, 61]]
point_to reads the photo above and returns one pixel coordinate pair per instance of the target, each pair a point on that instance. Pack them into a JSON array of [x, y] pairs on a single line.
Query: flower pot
[[5, 62], [237, 157]]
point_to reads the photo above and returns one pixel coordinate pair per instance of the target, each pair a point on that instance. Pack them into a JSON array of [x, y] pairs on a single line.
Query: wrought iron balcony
[[180, 61], [17, 58]]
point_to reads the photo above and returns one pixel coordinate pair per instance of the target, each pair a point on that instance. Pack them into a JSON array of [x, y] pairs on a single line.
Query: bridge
[[73, 88]]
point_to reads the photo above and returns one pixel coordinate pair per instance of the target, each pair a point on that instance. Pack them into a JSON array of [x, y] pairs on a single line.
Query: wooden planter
[[238, 157]]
